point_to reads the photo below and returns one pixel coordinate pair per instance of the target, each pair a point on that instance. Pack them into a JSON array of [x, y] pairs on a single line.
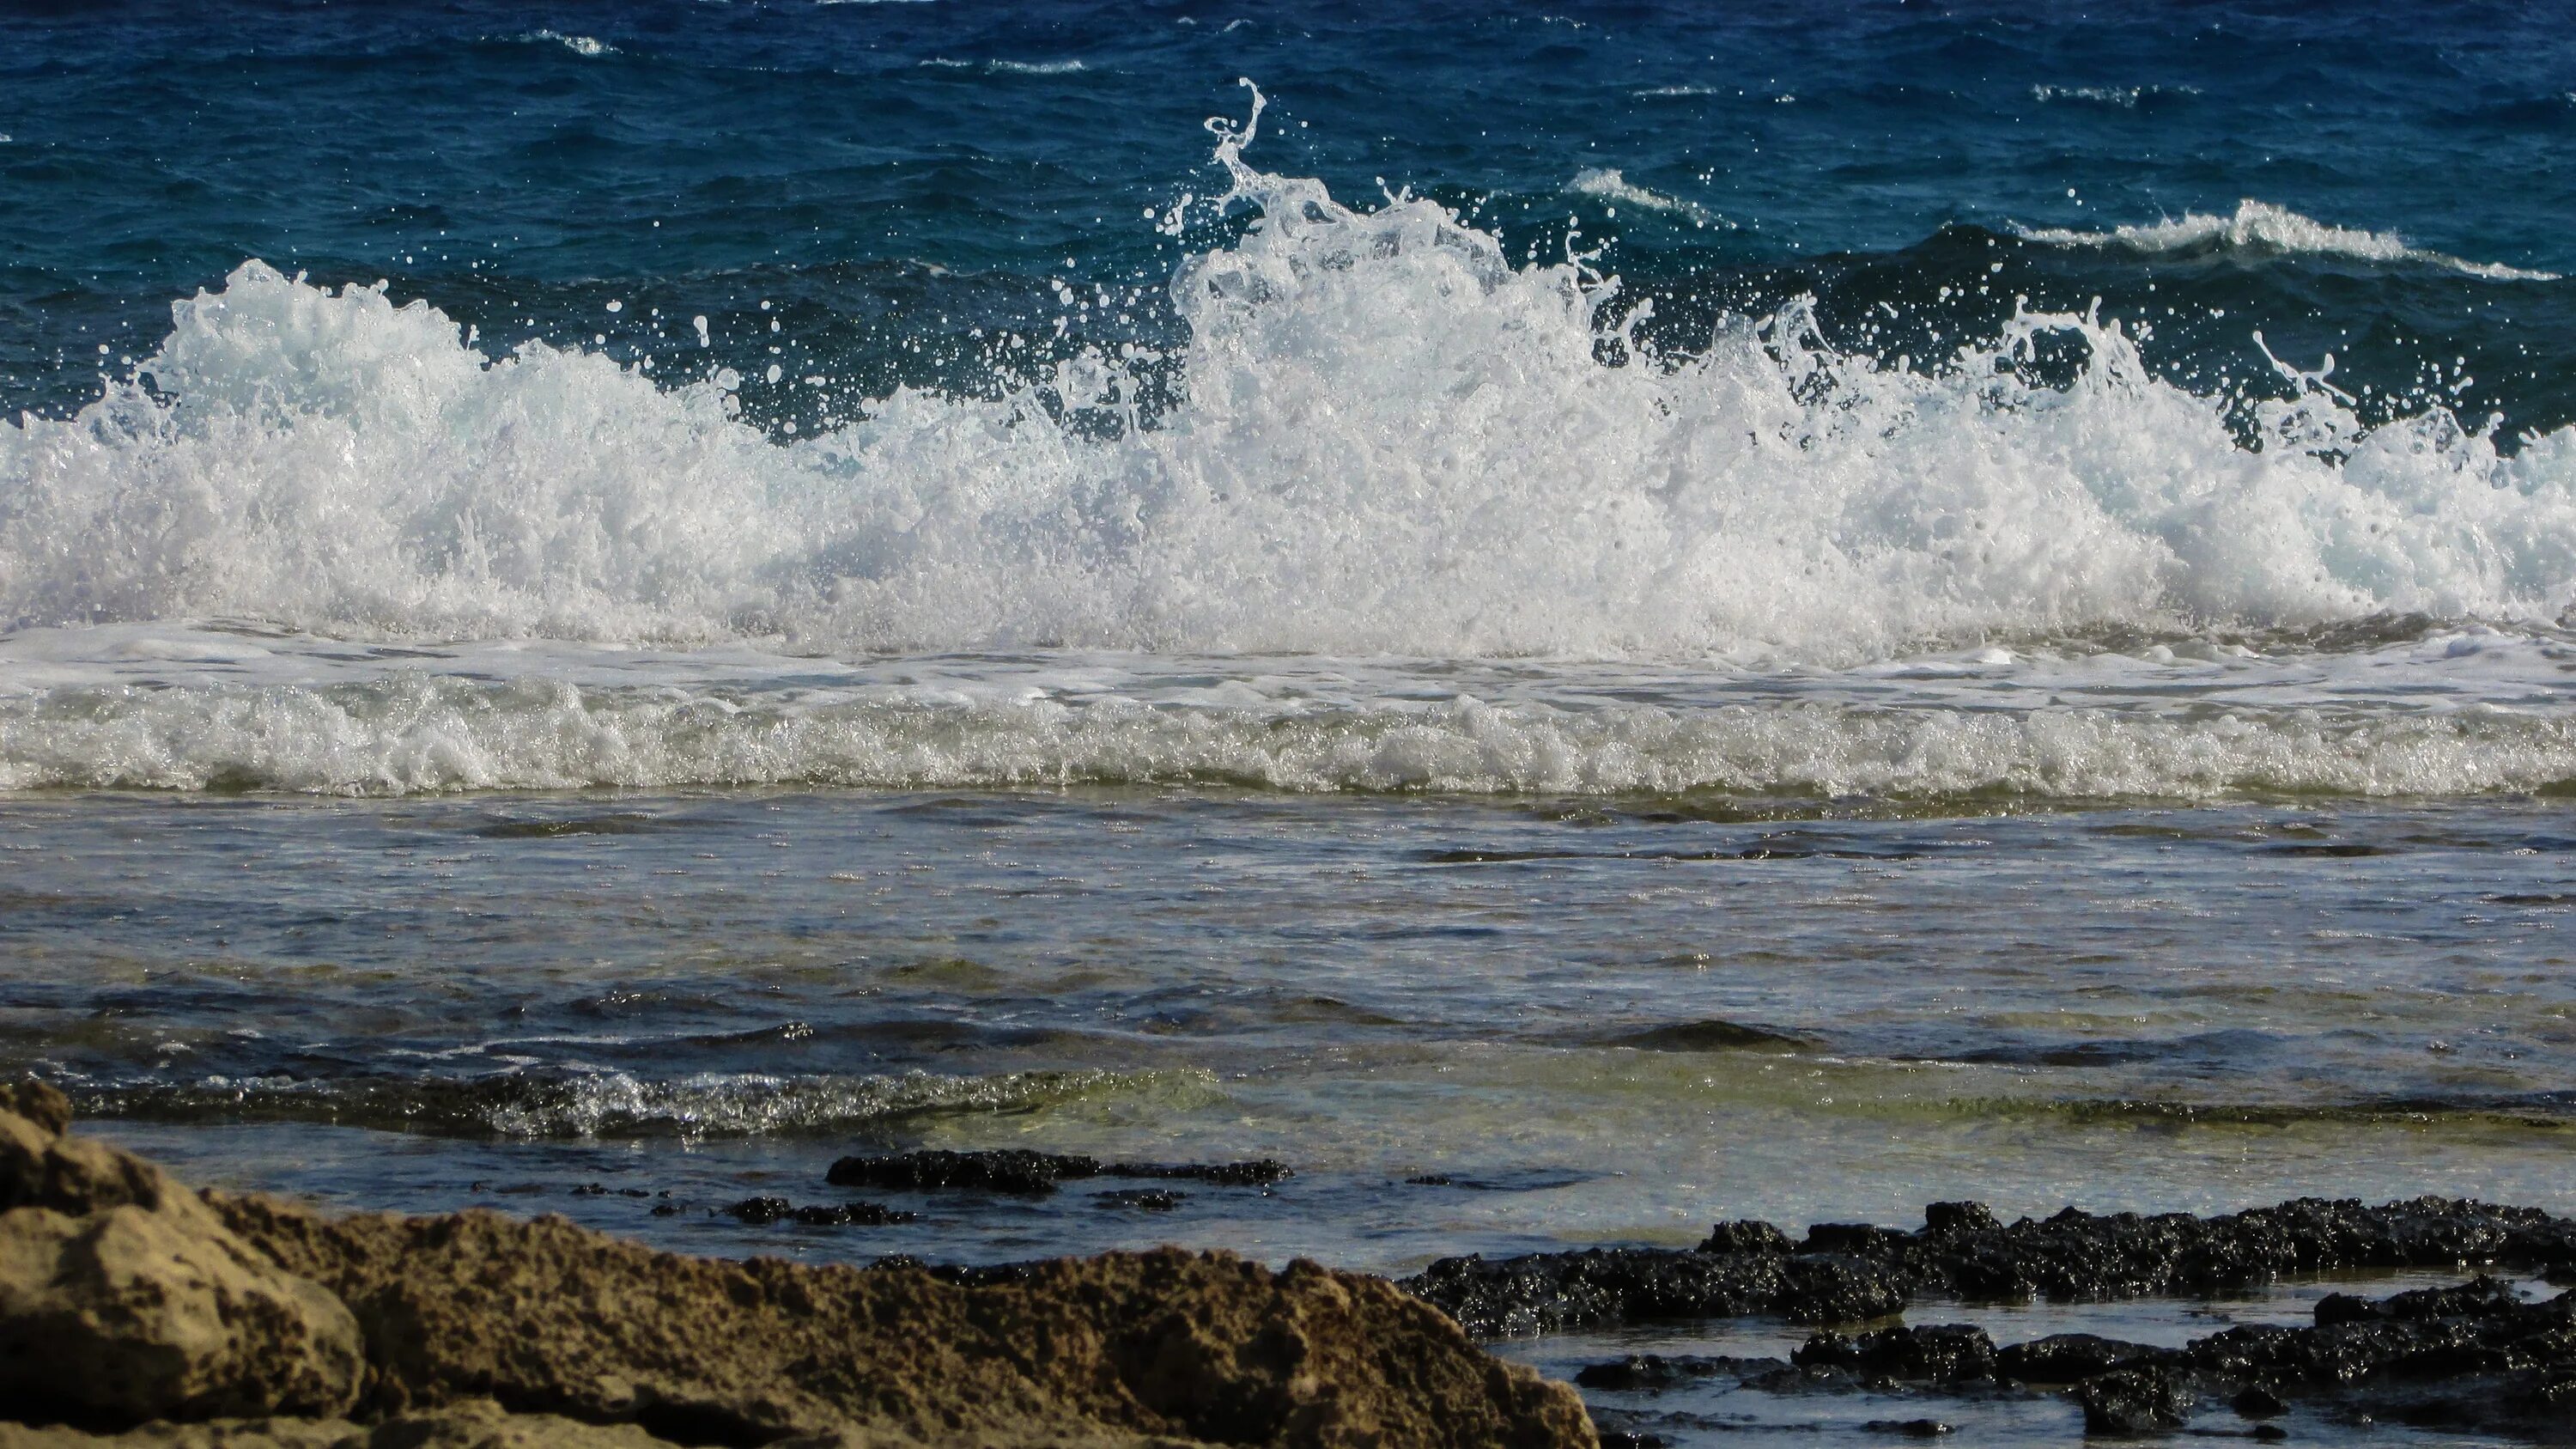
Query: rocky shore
[[135, 1312]]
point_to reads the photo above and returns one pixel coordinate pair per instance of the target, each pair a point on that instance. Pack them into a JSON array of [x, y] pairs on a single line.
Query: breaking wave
[[2257, 226], [1391, 440], [423, 733]]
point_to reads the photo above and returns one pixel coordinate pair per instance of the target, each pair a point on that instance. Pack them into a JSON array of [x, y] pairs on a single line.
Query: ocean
[[1573, 623]]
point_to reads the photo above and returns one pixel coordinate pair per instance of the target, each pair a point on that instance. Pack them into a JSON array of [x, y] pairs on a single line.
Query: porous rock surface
[[123, 1298], [2478, 1357], [241, 1321], [1845, 1273]]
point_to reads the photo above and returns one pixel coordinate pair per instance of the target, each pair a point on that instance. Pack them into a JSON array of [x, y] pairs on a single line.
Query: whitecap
[[578, 44], [1607, 183], [1391, 440], [2261, 226]]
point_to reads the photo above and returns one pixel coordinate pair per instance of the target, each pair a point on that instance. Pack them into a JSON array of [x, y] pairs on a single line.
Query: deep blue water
[[887, 177]]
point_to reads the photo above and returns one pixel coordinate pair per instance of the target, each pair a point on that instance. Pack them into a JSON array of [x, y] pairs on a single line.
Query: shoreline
[[135, 1312]]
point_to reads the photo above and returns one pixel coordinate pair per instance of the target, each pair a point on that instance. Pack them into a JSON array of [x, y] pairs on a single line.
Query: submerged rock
[[1022, 1172], [2133, 1401], [268, 1323], [818, 1215], [1939, 1353]]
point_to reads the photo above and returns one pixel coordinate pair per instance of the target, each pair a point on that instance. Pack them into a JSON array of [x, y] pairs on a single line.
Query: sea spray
[[1391, 440]]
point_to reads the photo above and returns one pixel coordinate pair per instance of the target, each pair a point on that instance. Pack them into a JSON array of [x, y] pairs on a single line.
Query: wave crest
[[1392, 440]]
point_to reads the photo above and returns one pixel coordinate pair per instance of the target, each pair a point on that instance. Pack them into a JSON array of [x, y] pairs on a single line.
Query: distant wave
[[577, 44], [2124, 97], [1009, 67], [2261, 226]]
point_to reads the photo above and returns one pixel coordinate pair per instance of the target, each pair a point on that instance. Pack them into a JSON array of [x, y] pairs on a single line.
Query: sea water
[[1573, 623]]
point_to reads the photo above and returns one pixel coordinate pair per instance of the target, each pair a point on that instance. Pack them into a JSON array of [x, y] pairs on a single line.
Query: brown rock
[[129, 1298], [546, 1316], [122, 1299]]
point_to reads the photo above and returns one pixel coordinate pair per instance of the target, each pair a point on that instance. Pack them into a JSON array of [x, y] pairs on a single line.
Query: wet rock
[[1260, 1172], [2133, 1401], [1748, 1236], [1140, 1199], [1851, 1272], [1030, 1174], [1853, 1238], [2258, 1402], [2471, 1356], [1838, 1288], [1959, 1217], [1655, 1372], [1007, 1170], [2066, 1358], [1548, 1292], [123, 1299], [1938, 1353], [819, 1215], [1910, 1428]]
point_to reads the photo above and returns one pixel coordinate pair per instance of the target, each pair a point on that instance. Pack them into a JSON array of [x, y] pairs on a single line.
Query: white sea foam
[[2261, 226], [1607, 183], [1009, 67], [2124, 97], [1393, 441], [414, 732], [577, 44]]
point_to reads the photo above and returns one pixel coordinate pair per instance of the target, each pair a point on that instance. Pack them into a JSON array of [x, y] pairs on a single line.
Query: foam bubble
[[1393, 441], [2261, 226]]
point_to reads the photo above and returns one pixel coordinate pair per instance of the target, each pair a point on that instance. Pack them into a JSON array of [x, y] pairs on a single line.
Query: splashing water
[[1392, 441]]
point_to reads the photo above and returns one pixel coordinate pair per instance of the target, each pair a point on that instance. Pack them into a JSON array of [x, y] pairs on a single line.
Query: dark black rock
[[1851, 1272], [839, 1214], [851, 1214], [1909, 1428], [1546, 1292], [1141, 1199], [1260, 1172], [1959, 1217], [1751, 1235], [1655, 1371], [2066, 1358], [1429, 1179], [1009, 1170], [1937, 1353], [2133, 1401], [1839, 1288], [1852, 1238], [1630, 1439], [1031, 1174], [2258, 1402]]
